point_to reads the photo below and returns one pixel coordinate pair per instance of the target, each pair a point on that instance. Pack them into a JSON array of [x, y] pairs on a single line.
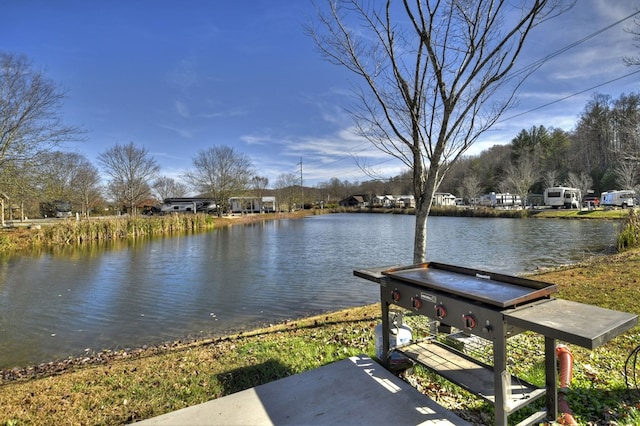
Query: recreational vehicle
[[500, 200], [56, 208], [187, 205], [562, 196], [253, 204], [623, 198]]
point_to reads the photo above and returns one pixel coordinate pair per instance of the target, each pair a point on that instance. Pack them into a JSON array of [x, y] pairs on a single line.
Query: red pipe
[[565, 363]]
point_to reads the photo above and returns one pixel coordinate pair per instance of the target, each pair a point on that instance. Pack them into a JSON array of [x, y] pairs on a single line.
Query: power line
[[541, 61], [537, 64], [568, 96]]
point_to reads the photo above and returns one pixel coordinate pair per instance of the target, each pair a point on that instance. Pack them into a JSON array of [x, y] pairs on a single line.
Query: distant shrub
[[121, 227], [629, 237]]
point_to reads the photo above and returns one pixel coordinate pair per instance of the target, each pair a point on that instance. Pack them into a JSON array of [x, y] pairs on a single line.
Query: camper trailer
[[187, 205], [500, 200], [623, 198], [562, 196], [56, 208], [253, 204]]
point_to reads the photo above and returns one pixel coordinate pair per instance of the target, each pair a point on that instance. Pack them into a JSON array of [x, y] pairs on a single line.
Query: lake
[[71, 302]]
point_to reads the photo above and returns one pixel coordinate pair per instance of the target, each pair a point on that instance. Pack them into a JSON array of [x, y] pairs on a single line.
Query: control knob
[[416, 302], [441, 311], [469, 321], [395, 295]]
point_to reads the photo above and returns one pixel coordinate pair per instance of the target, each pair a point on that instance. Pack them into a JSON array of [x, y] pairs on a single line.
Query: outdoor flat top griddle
[[493, 289], [493, 307]]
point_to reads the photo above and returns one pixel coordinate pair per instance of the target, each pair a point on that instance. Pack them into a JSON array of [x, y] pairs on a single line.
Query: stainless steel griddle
[[493, 307]]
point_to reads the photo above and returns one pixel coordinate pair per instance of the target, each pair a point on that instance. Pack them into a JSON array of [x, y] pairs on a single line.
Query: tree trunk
[[420, 240]]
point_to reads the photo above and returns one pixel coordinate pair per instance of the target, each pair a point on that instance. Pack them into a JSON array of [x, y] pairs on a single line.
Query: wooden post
[[2, 198]]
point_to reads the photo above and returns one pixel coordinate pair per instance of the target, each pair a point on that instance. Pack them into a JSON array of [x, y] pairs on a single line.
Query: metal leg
[[385, 329], [551, 377], [499, 367]]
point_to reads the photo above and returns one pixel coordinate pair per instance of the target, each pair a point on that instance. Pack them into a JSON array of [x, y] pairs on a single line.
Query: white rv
[[562, 196], [500, 200], [187, 205], [623, 198], [252, 204]]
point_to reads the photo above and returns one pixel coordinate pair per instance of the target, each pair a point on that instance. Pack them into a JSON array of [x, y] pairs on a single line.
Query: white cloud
[[185, 133], [182, 109]]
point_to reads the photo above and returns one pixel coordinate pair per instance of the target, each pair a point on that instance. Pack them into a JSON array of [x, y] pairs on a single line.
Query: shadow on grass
[[603, 406], [247, 377]]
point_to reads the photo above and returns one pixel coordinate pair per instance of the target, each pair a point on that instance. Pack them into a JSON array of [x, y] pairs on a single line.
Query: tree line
[[601, 153]]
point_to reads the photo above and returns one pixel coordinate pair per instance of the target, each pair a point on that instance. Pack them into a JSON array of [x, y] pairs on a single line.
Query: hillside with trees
[[601, 153]]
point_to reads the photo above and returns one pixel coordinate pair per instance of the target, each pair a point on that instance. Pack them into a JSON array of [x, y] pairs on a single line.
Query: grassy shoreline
[[121, 387], [34, 235]]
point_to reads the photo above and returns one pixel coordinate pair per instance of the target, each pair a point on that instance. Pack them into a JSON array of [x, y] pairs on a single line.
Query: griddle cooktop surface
[[478, 287]]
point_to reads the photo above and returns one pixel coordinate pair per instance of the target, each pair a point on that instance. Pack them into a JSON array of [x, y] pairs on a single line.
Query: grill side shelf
[[372, 274], [468, 373]]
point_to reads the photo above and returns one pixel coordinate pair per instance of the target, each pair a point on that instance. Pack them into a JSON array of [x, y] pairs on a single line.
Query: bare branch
[[430, 71]]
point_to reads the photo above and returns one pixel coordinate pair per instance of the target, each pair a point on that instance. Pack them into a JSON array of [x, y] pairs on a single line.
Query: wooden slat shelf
[[470, 374]]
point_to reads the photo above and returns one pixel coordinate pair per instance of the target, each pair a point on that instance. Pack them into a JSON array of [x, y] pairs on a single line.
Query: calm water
[[59, 305]]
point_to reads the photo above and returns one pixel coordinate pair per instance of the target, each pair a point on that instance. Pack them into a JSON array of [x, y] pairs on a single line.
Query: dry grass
[[69, 233]]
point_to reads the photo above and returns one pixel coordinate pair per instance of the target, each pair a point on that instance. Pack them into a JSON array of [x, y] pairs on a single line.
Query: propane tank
[[399, 334]]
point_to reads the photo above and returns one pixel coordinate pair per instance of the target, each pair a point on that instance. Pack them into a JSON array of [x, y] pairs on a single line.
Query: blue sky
[[180, 76]]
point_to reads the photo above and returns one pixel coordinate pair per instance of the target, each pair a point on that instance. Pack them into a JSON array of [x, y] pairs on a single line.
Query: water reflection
[[56, 304]]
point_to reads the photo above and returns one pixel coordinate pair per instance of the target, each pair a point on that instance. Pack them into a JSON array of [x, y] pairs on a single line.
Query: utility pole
[[301, 187]]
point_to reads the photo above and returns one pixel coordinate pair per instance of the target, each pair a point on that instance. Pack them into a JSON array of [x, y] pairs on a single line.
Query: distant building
[[252, 204], [386, 201], [359, 201], [405, 201], [444, 199]]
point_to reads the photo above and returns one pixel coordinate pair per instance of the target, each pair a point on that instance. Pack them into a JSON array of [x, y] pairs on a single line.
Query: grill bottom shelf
[[472, 375]]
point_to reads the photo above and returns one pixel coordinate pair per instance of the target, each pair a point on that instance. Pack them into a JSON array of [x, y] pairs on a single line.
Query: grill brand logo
[[428, 297]]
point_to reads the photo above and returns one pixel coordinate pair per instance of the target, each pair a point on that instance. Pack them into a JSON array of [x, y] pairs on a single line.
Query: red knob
[[416, 302], [441, 311], [469, 321], [395, 295]]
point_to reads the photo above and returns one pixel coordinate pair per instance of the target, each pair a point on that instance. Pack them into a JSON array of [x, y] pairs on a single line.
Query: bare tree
[[626, 174], [259, 184], [430, 69], [287, 190], [519, 177], [471, 188], [635, 32], [593, 134], [19, 183], [581, 180], [56, 173], [550, 178], [30, 104], [68, 176], [86, 183], [220, 172], [166, 187], [131, 170]]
